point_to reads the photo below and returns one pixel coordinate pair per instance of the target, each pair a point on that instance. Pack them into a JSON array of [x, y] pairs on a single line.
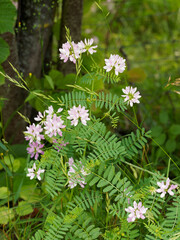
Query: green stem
[[135, 116], [71, 195], [93, 61], [152, 173], [153, 141], [169, 163]]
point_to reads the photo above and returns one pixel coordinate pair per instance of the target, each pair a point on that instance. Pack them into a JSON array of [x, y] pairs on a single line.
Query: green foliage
[[84, 229], [7, 16], [4, 50], [135, 142], [112, 184], [6, 215], [110, 102], [38, 235], [24, 208], [54, 182], [50, 209]]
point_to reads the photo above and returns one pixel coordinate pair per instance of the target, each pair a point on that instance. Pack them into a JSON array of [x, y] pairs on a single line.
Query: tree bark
[[13, 123], [71, 18], [36, 20], [27, 51]]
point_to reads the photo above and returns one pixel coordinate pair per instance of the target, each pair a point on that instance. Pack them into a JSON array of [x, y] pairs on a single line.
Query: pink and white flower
[[53, 125], [39, 117], [165, 188], [78, 112], [70, 52], [50, 110], [137, 211], [33, 133], [34, 149], [32, 173], [65, 51], [131, 96], [115, 62], [87, 46]]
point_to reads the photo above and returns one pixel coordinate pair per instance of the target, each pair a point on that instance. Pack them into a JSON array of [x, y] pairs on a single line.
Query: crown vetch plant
[[93, 179], [131, 96], [165, 188], [137, 212]]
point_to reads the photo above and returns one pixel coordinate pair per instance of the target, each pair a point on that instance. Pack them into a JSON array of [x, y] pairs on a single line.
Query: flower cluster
[[72, 51], [78, 112], [53, 123], [32, 173], [165, 188], [115, 62], [74, 175], [137, 211], [131, 96], [49, 125], [33, 133], [35, 149]]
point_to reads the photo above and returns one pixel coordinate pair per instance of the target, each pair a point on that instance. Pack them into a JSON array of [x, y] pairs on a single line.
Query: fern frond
[[86, 200], [175, 236], [85, 229], [154, 204], [49, 158], [75, 98], [155, 230], [103, 145], [135, 142], [171, 223], [109, 77], [58, 229], [111, 183], [39, 235], [55, 181], [110, 102]]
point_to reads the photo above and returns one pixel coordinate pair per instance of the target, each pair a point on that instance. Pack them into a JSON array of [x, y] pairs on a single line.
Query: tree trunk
[[36, 20], [71, 18], [34, 24], [13, 123]]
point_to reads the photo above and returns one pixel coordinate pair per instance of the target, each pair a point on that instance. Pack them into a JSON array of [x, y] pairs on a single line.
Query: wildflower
[[165, 188], [33, 133], [116, 62], [32, 172], [78, 112], [53, 125], [136, 212], [65, 51], [87, 46], [74, 176], [34, 149], [131, 96], [50, 110], [39, 117], [70, 51]]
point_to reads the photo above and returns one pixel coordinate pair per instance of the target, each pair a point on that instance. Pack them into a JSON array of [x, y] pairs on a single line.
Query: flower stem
[[135, 116]]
